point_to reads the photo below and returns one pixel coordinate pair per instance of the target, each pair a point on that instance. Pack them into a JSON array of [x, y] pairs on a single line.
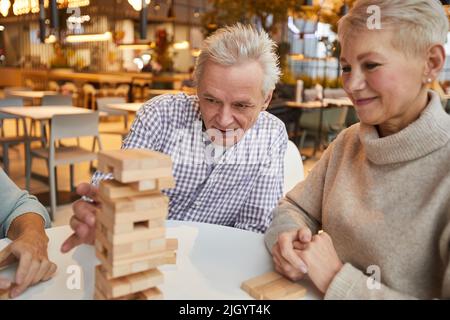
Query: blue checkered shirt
[[237, 187]]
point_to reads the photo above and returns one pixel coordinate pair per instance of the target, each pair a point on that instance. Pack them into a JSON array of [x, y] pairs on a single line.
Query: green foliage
[[271, 14]]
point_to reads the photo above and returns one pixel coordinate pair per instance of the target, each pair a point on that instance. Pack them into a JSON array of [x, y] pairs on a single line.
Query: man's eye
[[346, 69], [211, 100], [240, 105]]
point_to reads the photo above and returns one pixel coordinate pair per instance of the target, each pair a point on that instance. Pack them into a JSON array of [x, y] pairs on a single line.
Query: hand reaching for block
[[83, 220]]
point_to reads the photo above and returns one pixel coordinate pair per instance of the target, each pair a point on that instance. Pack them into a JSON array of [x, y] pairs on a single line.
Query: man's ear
[[435, 60], [267, 100]]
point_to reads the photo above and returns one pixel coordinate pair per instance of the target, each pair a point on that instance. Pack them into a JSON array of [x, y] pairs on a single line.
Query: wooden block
[[127, 176], [112, 189], [132, 159], [145, 185], [130, 176], [166, 183], [136, 249], [154, 185], [273, 286], [98, 294], [135, 222], [131, 165], [135, 204], [4, 294], [120, 223], [136, 264], [136, 235], [118, 287], [149, 294]]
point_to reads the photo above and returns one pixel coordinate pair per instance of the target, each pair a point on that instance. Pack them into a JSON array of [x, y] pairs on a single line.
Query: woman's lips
[[365, 101]]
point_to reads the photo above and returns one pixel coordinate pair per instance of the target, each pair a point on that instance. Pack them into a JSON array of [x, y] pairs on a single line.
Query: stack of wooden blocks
[[130, 229]]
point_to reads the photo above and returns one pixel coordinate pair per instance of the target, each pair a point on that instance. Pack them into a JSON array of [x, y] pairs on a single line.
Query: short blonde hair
[[236, 44], [418, 24]]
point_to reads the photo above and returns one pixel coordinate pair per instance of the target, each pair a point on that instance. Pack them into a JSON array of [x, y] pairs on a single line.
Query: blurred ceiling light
[[146, 57], [26, 6], [134, 46], [2, 28], [195, 52], [89, 37], [137, 4], [4, 7], [51, 39], [181, 45], [139, 63]]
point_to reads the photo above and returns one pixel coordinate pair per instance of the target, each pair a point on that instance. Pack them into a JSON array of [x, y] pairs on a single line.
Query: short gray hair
[[418, 24], [235, 44]]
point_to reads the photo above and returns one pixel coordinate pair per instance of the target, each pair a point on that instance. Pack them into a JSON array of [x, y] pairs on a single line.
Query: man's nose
[[225, 117]]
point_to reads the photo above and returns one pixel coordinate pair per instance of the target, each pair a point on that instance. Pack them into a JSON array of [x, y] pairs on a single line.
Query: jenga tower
[[130, 231]]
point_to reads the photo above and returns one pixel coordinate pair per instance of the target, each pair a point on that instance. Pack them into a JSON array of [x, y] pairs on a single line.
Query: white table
[[28, 94], [212, 262], [43, 112], [130, 107]]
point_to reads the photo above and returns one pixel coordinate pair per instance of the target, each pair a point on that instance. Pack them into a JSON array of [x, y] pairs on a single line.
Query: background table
[[130, 107], [43, 112], [212, 262]]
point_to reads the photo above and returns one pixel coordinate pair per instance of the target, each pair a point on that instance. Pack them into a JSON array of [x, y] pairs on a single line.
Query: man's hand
[[29, 247], [285, 253], [83, 219], [322, 260]]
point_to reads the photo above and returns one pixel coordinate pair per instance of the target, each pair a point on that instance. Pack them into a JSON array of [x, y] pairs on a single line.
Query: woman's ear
[[435, 60]]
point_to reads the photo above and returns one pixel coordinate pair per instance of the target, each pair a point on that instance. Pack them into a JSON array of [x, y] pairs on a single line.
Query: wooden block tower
[[130, 230]]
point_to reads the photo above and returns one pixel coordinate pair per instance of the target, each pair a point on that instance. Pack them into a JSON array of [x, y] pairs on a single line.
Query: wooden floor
[[82, 173]]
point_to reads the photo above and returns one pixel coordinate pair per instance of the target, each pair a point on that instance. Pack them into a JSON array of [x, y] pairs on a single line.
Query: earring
[[429, 80]]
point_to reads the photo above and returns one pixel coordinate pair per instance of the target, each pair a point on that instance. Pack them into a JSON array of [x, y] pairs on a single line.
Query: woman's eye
[[371, 66], [346, 69]]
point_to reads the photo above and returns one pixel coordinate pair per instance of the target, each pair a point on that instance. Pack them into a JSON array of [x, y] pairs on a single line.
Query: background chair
[[10, 102], [333, 122], [89, 94], [53, 86], [7, 142], [293, 167], [102, 106], [66, 126], [57, 100], [50, 101]]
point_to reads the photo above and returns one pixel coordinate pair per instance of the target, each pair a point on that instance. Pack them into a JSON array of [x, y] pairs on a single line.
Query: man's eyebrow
[[246, 102], [209, 95]]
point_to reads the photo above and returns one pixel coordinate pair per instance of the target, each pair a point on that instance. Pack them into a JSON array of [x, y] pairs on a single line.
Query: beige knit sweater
[[385, 202]]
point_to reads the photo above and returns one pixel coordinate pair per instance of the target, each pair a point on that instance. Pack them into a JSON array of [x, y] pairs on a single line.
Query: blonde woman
[[381, 191]]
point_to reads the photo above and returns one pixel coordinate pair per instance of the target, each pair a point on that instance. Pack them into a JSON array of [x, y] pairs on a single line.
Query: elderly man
[[227, 151]]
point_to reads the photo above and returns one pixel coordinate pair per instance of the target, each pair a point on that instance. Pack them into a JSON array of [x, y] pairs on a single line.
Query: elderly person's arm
[[256, 213], [297, 217], [351, 283], [23, 219]]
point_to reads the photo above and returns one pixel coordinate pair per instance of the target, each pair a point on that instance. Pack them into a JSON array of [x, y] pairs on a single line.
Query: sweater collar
[[431, 131]]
